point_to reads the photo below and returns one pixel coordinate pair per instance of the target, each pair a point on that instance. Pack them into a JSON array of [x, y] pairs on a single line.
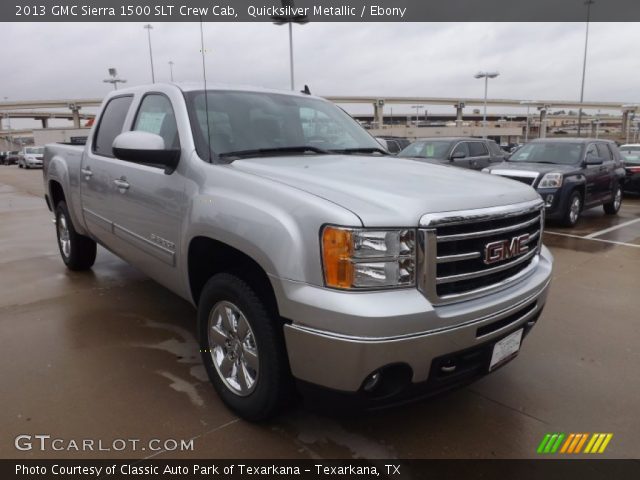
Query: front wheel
[[573, 210], [77, 251], [613, 206], [242, 348]]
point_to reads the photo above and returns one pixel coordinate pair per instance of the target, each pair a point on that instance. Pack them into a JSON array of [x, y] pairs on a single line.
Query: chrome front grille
[[523, 176], [453, 250]]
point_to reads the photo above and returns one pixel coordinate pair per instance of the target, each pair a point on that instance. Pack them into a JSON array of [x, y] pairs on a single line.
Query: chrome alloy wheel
[[233, 348], [63, 236], [617, 200], [574, 212]]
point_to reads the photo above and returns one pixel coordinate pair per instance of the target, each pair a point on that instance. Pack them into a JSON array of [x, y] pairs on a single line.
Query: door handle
[[87, 173], [121, 184]]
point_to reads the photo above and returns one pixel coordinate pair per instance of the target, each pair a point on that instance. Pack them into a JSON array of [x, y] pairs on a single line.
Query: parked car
[[570, 174], [11, 158], [308, 252], [473, 153], [389, 144], [631, 158], [31, 157]]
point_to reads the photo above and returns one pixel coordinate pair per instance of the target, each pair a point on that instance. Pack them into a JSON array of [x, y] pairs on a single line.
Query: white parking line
[[611, 229], [592, 239]]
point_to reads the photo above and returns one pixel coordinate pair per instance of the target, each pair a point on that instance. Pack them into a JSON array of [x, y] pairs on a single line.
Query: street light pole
[[588, 3], [149, 27], [171, 69], [486, 76], [290, 20]]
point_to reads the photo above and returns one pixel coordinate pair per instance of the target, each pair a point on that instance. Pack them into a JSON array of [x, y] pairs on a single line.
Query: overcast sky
[[535, 60]]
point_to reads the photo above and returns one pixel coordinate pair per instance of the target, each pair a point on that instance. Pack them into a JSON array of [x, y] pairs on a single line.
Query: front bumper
[[363, 333], [632, 183]]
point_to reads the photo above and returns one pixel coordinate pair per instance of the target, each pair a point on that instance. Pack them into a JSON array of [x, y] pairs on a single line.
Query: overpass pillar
[[543, 121], [378, 113], [75, 110], [45, 122], [459, 106]]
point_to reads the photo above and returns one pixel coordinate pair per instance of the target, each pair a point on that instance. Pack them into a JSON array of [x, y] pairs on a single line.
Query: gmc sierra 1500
[[308, 252]]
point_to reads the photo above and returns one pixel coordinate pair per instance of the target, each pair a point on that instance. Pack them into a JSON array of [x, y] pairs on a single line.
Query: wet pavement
[[109, 354]]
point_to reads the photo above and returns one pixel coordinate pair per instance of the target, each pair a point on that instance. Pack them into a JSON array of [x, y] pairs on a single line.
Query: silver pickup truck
[[310, 254]]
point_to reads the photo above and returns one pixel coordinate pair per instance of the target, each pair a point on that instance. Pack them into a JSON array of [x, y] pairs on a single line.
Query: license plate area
[[505, 349]]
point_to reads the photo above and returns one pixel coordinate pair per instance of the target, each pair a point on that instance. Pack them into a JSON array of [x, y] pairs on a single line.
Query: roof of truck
[[196, 86]]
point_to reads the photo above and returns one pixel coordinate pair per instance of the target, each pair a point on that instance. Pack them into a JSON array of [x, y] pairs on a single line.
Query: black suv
[[474, 153], [570, 174]]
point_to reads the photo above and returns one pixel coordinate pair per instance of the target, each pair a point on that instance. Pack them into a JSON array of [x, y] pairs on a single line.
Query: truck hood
[[534, 167], [388, 191]]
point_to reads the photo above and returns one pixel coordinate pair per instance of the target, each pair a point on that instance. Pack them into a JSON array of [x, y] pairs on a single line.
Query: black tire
[[272, 387], [80, 251], [613, 206], [19, 165], [571, 216]]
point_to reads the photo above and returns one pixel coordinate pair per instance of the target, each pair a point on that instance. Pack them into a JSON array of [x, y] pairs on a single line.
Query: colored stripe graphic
[[573, 443]]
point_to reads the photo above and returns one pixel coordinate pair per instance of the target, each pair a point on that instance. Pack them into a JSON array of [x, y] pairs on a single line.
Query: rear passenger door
[[595, 175], [96, 187], [478, 155], [606, 180]]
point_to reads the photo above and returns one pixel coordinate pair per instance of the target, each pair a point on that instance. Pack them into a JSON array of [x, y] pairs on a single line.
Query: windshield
[[436, 149], [252, 121], [552, 152], [34, 151]]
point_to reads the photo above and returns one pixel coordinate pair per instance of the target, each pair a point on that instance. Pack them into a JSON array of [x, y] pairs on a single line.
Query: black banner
[[318, 10], [546, 469]]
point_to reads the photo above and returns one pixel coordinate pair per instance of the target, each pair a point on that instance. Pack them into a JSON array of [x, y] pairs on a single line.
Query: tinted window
[[461, 148], [604, 152], [111, 124], [393, 146], [156, 116], [495, 149], [477, 149], [592, 152]]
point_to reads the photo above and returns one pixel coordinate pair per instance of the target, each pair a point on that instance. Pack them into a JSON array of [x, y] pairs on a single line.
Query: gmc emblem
[[506, 249]]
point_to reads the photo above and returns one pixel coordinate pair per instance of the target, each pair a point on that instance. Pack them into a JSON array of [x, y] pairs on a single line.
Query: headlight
[[551, 180], [357, 258]]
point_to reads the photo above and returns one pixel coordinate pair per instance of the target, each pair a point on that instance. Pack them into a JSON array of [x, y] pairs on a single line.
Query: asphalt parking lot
[[110, 354]]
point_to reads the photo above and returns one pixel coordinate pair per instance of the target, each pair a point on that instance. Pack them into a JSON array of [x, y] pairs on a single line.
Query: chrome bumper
[[342, 361]]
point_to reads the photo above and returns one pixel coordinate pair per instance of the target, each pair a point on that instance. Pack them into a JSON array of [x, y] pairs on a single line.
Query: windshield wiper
[[273, 151], [361, 150]]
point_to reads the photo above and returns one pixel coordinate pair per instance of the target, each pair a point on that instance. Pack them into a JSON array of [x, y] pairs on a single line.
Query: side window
[[111, 124], [604, 152], [495, 149], [461, 147], [155, 115], [477, 149], [592, 152]]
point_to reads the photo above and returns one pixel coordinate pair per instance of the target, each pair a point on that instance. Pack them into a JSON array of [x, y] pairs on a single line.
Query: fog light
[[548, 200], [371, 382]]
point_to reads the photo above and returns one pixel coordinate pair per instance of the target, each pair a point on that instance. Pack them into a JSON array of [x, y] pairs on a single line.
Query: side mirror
[[147, 149], [458, 155], [593, 161]]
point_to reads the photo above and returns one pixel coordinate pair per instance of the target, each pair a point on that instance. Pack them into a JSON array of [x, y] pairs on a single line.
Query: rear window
[[111, 124], [495, 149]]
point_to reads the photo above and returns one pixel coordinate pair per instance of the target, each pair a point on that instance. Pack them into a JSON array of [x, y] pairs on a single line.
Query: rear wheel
[[242, 348], [77, 251], [612, 207], [573, 210]]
